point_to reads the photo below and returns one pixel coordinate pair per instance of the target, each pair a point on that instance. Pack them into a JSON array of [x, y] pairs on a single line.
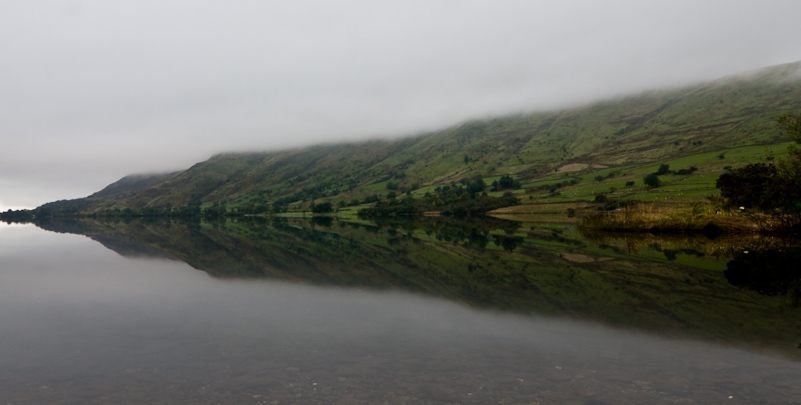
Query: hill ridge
[[736, 111]]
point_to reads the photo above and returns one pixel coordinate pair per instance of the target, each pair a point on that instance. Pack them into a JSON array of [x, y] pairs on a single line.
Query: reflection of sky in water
[[80, 323]]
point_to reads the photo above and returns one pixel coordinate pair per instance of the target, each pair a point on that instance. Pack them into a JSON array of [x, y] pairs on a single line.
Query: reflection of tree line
[[768, 266], [671, 254], [723, 247], [477, 233], [768, 272], [464, 261], [764, 268]]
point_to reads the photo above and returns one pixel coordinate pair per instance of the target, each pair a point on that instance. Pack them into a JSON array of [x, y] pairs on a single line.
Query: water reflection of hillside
[[772, 272], [768, 265], [670, 285], [724, 247]]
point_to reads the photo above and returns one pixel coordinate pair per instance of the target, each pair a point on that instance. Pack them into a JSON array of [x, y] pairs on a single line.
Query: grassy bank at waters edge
[[694, 219]]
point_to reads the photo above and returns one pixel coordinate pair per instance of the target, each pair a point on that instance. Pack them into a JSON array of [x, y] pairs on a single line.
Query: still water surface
[[84, 324]]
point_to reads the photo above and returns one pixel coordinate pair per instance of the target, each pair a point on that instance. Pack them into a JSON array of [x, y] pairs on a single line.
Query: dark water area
[[287, 311]]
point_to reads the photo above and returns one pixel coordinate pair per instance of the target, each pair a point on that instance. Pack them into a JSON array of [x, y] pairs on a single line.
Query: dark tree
[[506, 182], [476, 186], [751, 186], [652, 180], [370, 199], [789, 186], [322, 208], [791, 123]]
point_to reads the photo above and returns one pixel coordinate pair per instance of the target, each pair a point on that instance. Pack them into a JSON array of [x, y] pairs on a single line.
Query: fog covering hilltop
[[620, 138]]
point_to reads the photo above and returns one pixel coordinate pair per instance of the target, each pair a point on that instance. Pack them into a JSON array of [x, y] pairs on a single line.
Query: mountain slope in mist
[[621, 138]]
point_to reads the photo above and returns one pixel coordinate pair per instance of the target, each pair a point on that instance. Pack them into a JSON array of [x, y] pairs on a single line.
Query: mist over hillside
[[621, 136]]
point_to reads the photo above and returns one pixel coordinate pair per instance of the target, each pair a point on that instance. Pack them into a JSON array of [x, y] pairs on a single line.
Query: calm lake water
[[292, 312]]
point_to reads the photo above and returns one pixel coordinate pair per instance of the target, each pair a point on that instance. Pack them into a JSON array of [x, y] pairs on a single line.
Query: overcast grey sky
[[91, 91]]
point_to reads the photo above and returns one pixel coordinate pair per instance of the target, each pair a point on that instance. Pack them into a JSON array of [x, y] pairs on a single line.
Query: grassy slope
[[631, 136]]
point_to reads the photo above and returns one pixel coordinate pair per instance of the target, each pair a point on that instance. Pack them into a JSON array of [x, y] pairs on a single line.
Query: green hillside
[[560, 156]]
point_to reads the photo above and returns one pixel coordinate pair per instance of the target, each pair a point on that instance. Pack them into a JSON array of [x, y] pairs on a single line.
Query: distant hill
[[120, 189], [129, 185], [558, 156]]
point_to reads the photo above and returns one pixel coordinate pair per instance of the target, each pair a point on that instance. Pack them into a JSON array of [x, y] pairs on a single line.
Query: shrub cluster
[[465, 200]]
